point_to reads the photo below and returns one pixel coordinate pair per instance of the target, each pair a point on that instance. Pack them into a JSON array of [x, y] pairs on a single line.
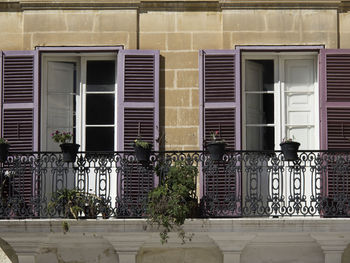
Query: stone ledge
[[341, 225], [184, 5]]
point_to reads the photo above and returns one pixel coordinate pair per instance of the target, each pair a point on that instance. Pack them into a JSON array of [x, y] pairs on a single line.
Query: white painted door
[[298, 85]]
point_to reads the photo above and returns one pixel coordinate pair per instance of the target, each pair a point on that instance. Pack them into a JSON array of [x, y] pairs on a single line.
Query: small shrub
[[173, 200]]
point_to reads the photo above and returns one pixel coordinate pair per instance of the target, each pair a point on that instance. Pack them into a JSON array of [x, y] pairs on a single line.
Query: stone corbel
[[333, 245], [128, 245], [231, 245]]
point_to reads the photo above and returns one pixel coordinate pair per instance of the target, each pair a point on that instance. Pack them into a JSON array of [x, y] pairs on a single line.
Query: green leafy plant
[[3, 141], [173, 200], [68, 201], [72, 203], [65, 227], [216, 137], [62, 137], [95, 205], [141, 143]]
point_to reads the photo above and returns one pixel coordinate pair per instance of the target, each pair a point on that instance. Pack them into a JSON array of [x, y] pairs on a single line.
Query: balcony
[[242, 184]]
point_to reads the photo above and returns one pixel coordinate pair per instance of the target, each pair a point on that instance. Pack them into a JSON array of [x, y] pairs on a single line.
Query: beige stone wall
[[344, 30], [179, 35], [82, 28], [28, 29], [280, 27], [11, 31]]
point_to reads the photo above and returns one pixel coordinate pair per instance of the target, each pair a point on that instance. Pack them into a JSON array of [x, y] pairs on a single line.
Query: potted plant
[[69, 150], [142, 149], [95, 205], [173, 200], [289, 149], [216, 147], [4, 149]]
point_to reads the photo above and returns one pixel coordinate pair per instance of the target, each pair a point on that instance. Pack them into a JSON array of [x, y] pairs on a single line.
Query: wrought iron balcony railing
[[242, 184]]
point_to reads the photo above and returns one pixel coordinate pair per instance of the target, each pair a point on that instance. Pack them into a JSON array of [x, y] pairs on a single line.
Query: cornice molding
[[172, 5]]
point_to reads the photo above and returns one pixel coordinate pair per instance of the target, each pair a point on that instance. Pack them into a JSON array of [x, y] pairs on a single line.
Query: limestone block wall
[[344, 30], [11, 30], [280, 27], [179, 34], [79, 28], [28, 29]]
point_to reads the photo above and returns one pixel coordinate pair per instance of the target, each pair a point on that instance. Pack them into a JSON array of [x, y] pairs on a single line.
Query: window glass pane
[[100, 75], [99, 109], [260, 138], [99, 139], [259, 75], [60, 108], [260, 108]]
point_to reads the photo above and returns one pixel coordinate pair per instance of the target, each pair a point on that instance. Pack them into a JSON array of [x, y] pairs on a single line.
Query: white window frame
[[81, 61], [279, 118]]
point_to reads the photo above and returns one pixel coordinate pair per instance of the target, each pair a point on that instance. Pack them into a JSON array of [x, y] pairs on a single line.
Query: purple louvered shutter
[[220, 110], [335, 116], [19, 117], [20, 100], [138, 109], [138, 105]]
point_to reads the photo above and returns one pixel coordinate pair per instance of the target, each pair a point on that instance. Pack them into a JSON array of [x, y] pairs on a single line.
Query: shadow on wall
[[180, 255], [346, 255], [7, 254], [286, 252], [162, 104], [76, 247]]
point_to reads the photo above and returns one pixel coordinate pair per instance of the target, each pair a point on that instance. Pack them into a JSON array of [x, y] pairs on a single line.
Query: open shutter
[[138, 105], [19, 117], [20, 100], [138, 109], [220, 110], [335, 119]]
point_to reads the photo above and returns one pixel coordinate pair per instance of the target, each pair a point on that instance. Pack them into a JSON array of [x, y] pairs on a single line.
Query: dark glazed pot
[[216, 150], [290, 150], [4, 151], [69, 151], [142, 154]]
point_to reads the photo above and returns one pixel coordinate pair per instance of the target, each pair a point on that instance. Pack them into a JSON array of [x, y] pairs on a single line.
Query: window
[[79, 94], [260, 97], [279, 100], [102, 94]]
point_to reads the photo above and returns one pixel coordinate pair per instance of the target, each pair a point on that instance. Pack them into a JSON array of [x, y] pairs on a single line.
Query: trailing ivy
[[174, 200]]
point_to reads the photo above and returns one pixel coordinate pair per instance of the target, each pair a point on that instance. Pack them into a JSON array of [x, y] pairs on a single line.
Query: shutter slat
[[219, 78], [338, 75], [139, 74], [132, 118], [18, 79]]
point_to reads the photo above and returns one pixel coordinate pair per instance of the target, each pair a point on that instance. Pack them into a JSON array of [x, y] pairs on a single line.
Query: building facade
[[173, 72]]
